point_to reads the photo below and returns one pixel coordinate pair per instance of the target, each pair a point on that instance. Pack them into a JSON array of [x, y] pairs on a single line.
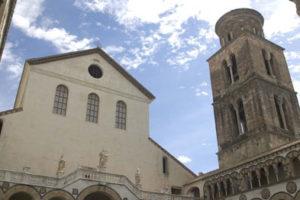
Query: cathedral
[[79, 129]]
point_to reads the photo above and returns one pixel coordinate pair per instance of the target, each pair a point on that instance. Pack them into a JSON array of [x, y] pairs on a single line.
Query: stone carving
[[243, 197], [291, 187], [61, 166], [138, 179], [265, 193], [103, 158]]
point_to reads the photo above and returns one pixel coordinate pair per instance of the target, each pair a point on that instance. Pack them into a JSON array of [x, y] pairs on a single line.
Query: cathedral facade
[[79, 129]]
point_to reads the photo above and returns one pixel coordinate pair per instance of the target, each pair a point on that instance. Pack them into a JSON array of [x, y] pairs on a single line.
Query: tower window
[[242, 117], [268, 60], [165, 167], [61, 100], [92, 108], [234, 120], [228, 72], [229, 37], [234, 68], [121, 112], [279, 111], [1, 126]]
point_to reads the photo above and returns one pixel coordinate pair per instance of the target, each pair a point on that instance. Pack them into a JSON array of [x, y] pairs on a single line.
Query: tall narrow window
[[165, 167], [121, 112], [242, 116], [268, 60], [228, 72], [1, 125], [92, 108], [234, 68], [234, 121], [279, 111], [60, 100]]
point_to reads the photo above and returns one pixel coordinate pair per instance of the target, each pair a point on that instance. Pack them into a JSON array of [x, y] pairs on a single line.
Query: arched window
[[1, 125], [255, 182], [21, 196], [263, 177], [272, 175], [92, 108], [229, 187], [60, 100], [121, 112], [228, 72], [234, 67], [242, 116], [279, 111], [296, 166], [281, 173], [268, 60], [235, 125], [165, 167]]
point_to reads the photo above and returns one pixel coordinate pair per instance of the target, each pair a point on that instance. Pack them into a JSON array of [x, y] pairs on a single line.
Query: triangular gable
[[104, 55]]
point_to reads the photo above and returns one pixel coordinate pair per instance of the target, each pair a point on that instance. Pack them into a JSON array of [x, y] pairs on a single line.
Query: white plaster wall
[[36, 137]]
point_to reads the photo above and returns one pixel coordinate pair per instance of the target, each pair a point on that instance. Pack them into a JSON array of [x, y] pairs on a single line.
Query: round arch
[[193, 192], [60, 194], [22, 189], [281, 195], [112, 194]]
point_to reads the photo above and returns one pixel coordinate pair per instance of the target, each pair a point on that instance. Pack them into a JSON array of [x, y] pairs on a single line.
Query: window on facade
[[176, 190], [165, 167], [92, 108], [279, 112], [121, 112], [234, 121], [242, 116], [60, 100], [1, 125], [296, 167], [263, 177], [254, 178], [281, 174], [268, 60], [228, 72], [229, 37], [234, 68]]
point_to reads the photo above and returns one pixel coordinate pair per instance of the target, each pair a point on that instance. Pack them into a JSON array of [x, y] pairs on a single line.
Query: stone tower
[[297, 2], [255, 105]]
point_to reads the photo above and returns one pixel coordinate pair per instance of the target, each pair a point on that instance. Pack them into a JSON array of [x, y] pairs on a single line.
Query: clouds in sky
[[26, 16], [184, 159], [170, 18]]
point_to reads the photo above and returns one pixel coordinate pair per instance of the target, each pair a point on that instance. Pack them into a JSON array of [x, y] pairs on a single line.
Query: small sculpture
[[61, 166], [138, 179], [103, 158]]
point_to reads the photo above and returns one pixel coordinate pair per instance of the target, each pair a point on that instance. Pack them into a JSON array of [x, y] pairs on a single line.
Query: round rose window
[[95, 71]]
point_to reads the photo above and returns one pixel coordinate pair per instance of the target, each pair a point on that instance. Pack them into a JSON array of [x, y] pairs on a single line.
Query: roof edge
[[118, 67], [175, 159]]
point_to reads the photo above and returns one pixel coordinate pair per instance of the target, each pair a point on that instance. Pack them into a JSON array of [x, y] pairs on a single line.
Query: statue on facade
[[103, 158], [61, 166], [138, 179]]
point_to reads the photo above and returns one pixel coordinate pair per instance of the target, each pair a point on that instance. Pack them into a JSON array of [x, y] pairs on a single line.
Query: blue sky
[[163, 43]]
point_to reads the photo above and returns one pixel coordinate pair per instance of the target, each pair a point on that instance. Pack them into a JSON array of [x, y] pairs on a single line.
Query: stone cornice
[[7, 112]]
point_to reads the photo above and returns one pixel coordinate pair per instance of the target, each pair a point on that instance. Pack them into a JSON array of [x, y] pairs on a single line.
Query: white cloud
[[114, 49], [59, 37], [184, 159], [280, 16], [292, 55], [11, 62]]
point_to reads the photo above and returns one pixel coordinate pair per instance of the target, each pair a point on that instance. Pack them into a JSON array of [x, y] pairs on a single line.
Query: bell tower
[[255, 105]]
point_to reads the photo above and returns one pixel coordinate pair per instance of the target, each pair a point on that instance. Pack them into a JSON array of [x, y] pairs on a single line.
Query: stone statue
[[61, 166], [138, 179], [103, 158]]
